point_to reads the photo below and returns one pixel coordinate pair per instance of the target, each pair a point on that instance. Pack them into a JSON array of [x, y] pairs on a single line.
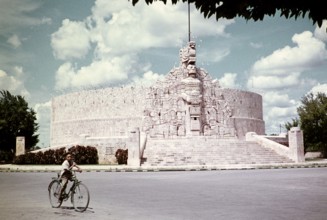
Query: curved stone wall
[[247, 111], [244, 104], [111, 112], [98, 103], [105, 112]]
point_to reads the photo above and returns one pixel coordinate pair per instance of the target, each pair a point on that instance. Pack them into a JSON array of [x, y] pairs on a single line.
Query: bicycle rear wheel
[[80, 197], [54, 193]]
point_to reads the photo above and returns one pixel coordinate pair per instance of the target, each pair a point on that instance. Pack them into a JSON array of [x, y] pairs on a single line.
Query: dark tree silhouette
[[257, 9], [16, 119]]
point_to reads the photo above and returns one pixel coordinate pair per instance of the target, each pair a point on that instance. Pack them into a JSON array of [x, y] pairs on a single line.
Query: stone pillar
[[133, 145], [295, 139], [20, 145]]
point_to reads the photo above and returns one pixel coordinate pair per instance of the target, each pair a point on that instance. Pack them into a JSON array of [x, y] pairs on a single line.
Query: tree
[[257, 9], [16, 119], [295, 123], [313, 120]]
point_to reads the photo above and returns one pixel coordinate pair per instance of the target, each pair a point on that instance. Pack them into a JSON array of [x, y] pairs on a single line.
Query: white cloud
[[14, 41], [137, 28], [98, 73], [278, 108], [120, 32], [278, 99], [276, 117], [148, 79], [284, 66], [321, 32], [71, 40], [322, 88], [228, 80], [64, 76], [274, 98], [14, 83], [278, 112], [103, 9], [43, 112], [267, 82], [308, 53]]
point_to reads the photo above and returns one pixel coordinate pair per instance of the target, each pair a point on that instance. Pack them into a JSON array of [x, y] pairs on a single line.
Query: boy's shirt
[[65, 167]]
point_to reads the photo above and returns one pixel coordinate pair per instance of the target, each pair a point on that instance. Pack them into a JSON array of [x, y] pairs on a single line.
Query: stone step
[[207, 152]]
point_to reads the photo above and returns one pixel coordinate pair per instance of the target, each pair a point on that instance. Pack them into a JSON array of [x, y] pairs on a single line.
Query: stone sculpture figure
[[188, 54], [191, 53]]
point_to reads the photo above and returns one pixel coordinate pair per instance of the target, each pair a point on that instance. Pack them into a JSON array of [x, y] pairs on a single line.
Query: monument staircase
[[207, 151]]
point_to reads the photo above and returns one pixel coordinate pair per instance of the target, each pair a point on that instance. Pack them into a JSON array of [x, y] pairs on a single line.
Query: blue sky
[[49, 48]]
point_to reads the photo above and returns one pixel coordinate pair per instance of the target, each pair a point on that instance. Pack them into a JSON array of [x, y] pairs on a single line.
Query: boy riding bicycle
[[66, 173]]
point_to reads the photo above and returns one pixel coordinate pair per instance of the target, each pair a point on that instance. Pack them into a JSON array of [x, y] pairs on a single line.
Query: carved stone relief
[[187, 102]]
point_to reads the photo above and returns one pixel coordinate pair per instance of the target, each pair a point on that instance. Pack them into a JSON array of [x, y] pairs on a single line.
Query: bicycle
[[78, 192]]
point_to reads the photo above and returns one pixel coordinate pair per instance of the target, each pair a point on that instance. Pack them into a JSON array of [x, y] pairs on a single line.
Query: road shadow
[[70, 211]]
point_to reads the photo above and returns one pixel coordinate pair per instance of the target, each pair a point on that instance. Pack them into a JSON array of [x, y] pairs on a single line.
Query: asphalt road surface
[[298, 193]]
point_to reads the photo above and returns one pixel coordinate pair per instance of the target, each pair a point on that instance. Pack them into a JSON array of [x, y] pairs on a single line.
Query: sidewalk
[[125, 168]]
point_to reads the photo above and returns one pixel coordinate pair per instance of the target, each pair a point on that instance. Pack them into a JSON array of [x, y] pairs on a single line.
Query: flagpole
[[189, 23]]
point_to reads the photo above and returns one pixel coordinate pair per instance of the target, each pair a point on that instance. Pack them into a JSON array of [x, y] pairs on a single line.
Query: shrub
[[122, 156], [81, 154], [84, 155], [19, 159]]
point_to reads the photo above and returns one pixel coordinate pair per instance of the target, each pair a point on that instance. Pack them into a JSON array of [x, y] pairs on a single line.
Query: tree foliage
[[295, 123], [16, 119], [257, 9], [313, 120]]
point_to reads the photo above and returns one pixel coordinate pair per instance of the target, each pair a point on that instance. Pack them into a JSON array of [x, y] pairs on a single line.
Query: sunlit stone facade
[[186, 103]]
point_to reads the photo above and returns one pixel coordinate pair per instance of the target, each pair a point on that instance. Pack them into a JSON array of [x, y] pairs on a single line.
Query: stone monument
[[20, 145], [187, 103]]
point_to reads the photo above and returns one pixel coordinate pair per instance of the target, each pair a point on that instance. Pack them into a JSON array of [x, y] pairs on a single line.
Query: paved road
[[231, 194]]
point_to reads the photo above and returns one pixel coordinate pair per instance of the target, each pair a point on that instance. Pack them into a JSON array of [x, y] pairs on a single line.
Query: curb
[[124, 168]]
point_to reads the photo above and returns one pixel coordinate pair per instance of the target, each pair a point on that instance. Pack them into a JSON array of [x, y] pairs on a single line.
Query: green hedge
[[81, 155]]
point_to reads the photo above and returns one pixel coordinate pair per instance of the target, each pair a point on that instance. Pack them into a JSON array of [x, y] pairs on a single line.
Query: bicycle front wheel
[[54, 193], [80, 197]]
